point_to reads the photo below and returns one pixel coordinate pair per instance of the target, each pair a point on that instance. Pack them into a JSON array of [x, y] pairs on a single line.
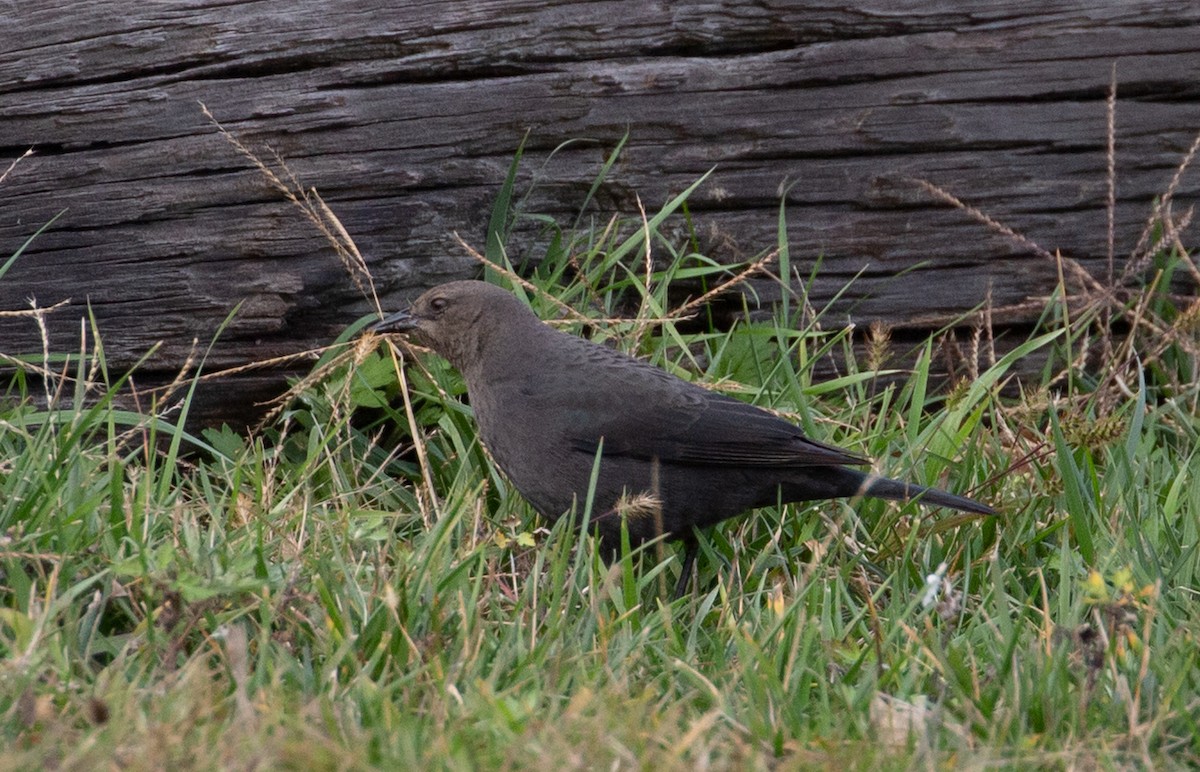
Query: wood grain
[[405, 116]]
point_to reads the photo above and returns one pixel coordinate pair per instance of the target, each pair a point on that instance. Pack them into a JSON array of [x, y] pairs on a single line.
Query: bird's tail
[[895, 490]]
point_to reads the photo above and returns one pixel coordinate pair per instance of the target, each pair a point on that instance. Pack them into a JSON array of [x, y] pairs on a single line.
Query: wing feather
[[700, 427]]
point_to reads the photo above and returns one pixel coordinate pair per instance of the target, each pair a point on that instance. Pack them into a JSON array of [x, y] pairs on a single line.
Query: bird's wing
[[642, 412], [728, 431]]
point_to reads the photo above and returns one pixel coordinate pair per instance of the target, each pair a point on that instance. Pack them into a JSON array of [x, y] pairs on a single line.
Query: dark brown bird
[[674, 457]]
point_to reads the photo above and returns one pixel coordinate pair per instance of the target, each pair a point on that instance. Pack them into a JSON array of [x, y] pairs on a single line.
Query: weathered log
[[405, 117]]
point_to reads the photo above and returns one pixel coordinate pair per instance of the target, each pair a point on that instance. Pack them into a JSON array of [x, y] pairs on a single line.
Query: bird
[[563, 416]]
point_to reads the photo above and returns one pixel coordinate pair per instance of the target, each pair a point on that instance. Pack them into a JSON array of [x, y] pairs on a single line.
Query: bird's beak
[[401, 321]]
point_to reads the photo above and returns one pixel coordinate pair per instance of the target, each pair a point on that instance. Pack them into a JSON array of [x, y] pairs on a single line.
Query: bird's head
[[460, 320]]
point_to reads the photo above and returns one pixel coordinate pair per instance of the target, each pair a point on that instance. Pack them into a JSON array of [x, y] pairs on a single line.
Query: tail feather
[[836, 482], [896, 490]]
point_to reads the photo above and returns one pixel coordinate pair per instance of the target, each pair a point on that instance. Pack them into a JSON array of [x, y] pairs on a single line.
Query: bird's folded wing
[[704, 429]]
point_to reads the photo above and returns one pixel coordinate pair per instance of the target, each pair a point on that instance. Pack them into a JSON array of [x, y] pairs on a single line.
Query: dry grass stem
[[14, 163], [355, 354], [36, 311], [512, 276], [181, 376], [688, 309], [648, 280], [1098, 305], [29, 367], [327, 223], [1110, 205], [402, 354], [1162, 208], [945, 196], [314, 208], [1110, 154]]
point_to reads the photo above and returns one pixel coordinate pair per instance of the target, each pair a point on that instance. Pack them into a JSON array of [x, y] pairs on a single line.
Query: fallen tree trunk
[[405, 116]]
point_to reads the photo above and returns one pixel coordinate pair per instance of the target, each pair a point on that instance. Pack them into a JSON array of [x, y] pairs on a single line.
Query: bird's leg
[[690, 549]]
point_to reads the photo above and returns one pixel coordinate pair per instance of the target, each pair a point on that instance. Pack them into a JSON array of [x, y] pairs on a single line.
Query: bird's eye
[[438, 304]]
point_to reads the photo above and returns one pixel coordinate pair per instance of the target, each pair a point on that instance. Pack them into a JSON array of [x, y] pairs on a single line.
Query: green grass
[[307, 597]]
